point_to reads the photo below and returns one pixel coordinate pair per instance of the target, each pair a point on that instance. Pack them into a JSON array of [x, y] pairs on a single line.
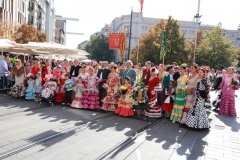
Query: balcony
[[30, 8], [30, 22]]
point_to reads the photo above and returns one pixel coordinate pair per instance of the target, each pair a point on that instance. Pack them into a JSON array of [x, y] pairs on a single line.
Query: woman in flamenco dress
[[61, 81], [112, 86], [153, 87]]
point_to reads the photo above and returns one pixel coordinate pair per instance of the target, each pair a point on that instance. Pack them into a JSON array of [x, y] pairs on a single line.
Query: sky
[[94, 14]]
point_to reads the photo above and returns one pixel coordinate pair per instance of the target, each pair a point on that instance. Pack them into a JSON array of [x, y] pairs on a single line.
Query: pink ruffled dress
[[90, 95]]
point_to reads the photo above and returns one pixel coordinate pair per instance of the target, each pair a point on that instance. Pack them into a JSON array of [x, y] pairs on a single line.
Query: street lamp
[[197, 16]]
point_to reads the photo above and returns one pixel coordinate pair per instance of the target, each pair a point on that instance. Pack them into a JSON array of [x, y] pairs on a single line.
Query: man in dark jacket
[[75, 69], [102, 75], [74, 73]]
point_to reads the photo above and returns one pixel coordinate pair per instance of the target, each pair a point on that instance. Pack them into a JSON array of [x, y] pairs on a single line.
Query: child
[[48, 91], [169, 102], [77, 101], [125, 103], [90, 98], [49, 75], [30, 94], [38, 86], [68, 90]]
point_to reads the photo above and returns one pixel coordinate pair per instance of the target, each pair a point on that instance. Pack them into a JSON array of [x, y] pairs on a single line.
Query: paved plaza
[[29, 132]]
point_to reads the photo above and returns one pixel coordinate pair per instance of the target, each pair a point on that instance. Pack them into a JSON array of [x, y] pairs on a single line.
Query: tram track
[[117, 149], [82, 126]]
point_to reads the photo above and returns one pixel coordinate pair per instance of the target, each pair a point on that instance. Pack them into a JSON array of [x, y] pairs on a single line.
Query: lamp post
[[130, 34], [197, 21]]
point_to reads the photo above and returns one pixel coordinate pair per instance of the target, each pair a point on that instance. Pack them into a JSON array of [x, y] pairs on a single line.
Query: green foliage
[[216, 50], [150, 44], [98, 48]]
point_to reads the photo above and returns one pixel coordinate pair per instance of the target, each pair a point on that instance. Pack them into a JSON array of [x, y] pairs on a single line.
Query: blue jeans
[[3, 83]]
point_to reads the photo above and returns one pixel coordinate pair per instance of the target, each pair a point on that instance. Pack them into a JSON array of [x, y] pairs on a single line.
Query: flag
[[115, 40], [163, 45], [122, 48], [141, 5]]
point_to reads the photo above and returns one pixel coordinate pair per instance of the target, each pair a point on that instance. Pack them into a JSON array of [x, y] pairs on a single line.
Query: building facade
[[82, 45], [36, 14], [7, 10], [141, 25], [60, 31]]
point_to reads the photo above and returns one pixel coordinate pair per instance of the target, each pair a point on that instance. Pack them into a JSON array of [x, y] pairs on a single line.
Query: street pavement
[[24, 122]]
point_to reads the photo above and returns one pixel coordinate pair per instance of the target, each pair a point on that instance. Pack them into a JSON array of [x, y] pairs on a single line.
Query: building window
[[224, 34], [144, 28]]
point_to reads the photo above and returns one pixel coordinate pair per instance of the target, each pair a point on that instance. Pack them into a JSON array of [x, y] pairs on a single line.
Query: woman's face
[[49, 71], [200, 74], [182, 70], [83, 65], [47, 63], [38, 75], [70, 63], [36, 64], [137, 67], [28, 63], [230, 70], [112, 69], [152, 74], [193, 69], [126, 81], [18, 63]]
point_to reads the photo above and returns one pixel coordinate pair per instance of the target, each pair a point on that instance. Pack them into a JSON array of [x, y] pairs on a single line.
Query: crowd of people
[[180, 93]]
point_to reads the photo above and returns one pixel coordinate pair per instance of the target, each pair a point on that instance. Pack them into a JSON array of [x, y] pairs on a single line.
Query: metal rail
[[32, 144]]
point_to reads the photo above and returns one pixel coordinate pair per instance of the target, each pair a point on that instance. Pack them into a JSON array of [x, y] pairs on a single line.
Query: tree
[[7, 30], [216, 50], [28, 33], [191, 43], [150, 44], [98, 48]]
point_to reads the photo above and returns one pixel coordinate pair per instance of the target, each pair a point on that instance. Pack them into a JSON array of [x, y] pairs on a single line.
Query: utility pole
[[197, 16], [130, 34]]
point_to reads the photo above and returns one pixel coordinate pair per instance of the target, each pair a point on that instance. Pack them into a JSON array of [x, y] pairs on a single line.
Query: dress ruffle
[[178, 107], [90, 99], [167, 107], [124, 111], [154, 111], [77, 101], [227, 106]]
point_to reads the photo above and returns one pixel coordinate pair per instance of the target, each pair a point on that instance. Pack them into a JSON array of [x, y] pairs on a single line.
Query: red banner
[[115, 40]]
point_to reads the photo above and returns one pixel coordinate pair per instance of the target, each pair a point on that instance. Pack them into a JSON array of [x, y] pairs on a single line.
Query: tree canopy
[[150, 44], [28, 33], [98, 48], [215, 50]]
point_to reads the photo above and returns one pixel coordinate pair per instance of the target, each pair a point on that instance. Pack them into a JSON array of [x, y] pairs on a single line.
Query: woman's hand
[[208, 96]]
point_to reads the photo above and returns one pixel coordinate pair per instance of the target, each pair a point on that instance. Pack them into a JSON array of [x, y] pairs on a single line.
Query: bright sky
[[93, 14]]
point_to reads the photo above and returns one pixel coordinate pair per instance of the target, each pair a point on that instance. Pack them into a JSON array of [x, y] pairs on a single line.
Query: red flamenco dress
[[60, 94], [90, 96], [125, 104], [153, 87]]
